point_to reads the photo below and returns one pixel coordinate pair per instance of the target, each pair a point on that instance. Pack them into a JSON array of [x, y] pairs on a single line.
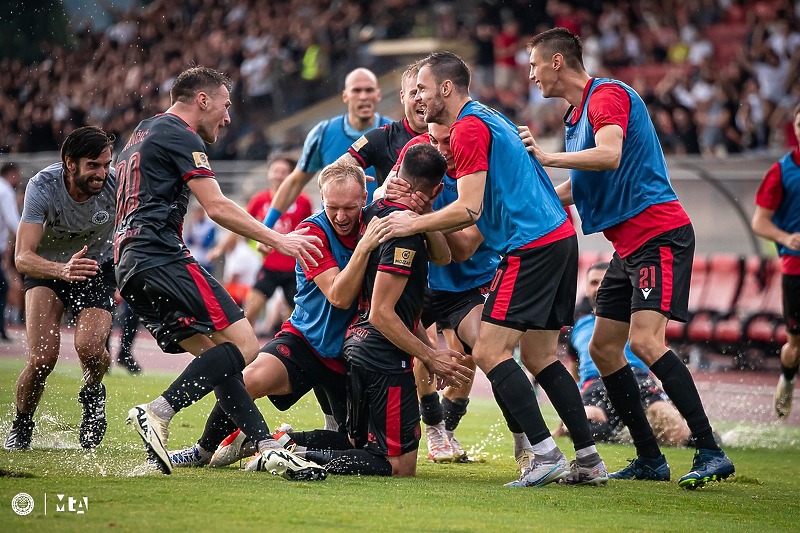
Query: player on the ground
[[670, 429], [331, 138], [777, 217], [64, 253], [533, 292], [306, 352], [620, 186], [181, 304]]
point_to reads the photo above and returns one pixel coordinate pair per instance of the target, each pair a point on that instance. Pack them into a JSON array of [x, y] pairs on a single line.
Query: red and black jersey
[[153, 170], [381, 147], [404, 256]]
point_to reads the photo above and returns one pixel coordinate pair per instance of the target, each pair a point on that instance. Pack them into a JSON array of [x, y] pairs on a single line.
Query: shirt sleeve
[[469, 141], [188, 153], [770, 192], [311, 158], [365, 149], [327, 261], [397, 255], [609, 105], [34, 208]]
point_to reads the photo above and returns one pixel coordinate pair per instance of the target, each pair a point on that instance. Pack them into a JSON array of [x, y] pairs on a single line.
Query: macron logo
[[646, 293]]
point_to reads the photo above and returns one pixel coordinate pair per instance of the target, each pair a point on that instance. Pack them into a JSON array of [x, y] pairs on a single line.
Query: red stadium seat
[[718, 298], [676, 331]]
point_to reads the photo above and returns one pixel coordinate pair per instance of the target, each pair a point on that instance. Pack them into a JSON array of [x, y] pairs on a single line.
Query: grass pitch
[[763, 496]]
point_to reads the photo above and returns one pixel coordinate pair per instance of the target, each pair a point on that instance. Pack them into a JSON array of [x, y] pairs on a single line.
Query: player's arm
[[287, 193], [438, 249], [386, 292], [341, 287], [464, 212], [464, 242], [606, 154], [764, 227], [230, 216], [29, 263]]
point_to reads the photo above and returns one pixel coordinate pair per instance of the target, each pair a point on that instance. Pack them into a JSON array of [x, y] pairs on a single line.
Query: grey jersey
[[69, 225]]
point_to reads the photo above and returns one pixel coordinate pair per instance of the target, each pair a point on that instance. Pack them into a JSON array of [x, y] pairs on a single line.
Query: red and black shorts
[[655, 277], [96, 292], [383, 411], [447, 309], [178, 300], [269, 280], [791, 303], [535, 288], [307, 370]]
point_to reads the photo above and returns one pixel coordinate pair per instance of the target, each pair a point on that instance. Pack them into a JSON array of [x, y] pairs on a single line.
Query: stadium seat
[[718, 298], [728, 331], [761, 327], [676, 331]]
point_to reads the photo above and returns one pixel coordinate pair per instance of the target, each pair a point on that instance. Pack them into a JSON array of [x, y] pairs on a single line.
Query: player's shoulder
[[48, 176]]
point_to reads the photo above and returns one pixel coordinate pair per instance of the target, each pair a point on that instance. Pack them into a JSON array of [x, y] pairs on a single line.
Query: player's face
[[277, 172], [361, 94], [796, 124], [429, 96], [593, 279], [412, 108], [440, 139], [343, 202], [542, 72], [215, 114], [89, 175]]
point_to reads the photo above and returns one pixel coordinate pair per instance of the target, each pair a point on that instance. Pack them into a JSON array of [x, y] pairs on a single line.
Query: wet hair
[[423, 166], [197, 79], [560, 41], [88, 142], [448, 66], [341, 171], [602, 265], [8, 168], [282, 156]]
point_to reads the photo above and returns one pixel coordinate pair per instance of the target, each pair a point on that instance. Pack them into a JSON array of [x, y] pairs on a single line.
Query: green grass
[[763, 496]]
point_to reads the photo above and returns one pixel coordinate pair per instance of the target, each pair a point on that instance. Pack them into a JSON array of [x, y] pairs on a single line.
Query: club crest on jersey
[[100, 217], [201, 160], [403, 257], [360, 143]]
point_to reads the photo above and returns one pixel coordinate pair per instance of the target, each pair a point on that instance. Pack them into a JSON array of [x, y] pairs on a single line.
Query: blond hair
[[341, 171]]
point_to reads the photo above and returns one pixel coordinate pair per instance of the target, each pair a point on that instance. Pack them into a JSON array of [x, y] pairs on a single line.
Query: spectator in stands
[[9, 220], [777, 218], [200, 236]]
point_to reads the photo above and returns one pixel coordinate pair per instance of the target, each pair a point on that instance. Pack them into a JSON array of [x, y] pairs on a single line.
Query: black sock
[[430, 409], [560, 387], [218, 426], [234, 399], [623, 392], [511, 422], [24, 417], [678, 384], [454, 410], [788, 373], [352, 462], [204, 373], [512, 385], [321, 439]]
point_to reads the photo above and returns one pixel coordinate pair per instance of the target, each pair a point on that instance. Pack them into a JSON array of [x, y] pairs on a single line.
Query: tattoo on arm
[[474, 215]]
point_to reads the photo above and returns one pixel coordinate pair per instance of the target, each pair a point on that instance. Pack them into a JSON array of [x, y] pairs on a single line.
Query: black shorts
[[655, 277], [178, 300], [535, 288], [97, 292], [269, 280], [593, 393], [307, 370], [382, 411], [791, 303], [447, 309]]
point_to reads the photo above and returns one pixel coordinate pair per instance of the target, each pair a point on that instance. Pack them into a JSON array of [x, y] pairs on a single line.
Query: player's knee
[[42, 366], [404, 465], [647, 349]]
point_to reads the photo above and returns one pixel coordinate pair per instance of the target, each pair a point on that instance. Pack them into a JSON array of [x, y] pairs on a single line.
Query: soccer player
[[620, 186], [181, 304], [533, 292], [670, 429], [331, 138], [777, 217], [64, 253], [306, 352]]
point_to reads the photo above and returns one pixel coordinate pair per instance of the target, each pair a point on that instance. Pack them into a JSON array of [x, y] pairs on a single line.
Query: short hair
[[8, 168], [423, 166], [86, 141], [602, 265], [448, 66], [281, 156], [411, 70], [197, 79], [341, 171], [560, 41]]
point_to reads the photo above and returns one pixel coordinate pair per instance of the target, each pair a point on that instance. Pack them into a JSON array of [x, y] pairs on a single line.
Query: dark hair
[[560, 41], [282, 156], [796, 111], [87, 141], [602, 265], [8, 167], [423, 166], [448, 66], [196, 79]]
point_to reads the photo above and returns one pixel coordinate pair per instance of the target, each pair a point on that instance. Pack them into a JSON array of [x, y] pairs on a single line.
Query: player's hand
[[301, 246], [793, 242], [421, 203], [397, 224], [264, 248], [396, 188], [445, 363], [79, 268], [370, 238], [531, 145]]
